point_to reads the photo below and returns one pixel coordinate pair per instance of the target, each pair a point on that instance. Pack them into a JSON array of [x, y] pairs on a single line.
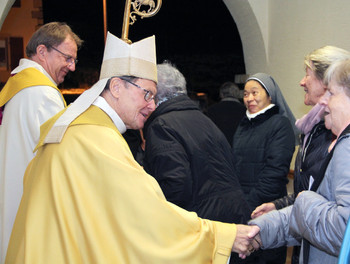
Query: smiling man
[[85, 198], [29, 98]]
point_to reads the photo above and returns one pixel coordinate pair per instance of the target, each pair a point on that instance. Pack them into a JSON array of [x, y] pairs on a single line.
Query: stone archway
[[254, 46], [5, 7]]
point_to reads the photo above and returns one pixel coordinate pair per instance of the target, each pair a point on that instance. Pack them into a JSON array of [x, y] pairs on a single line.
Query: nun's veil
[[277, 98]]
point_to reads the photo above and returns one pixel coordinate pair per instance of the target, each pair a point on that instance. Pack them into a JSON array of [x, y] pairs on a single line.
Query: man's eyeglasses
[[149, 96], [69, 59]]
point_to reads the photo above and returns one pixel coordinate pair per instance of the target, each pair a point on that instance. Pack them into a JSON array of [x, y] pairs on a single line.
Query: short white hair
[[171, 82]]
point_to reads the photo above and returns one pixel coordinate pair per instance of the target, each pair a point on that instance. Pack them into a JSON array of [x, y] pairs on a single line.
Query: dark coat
[[262, 151], [309, 162], [226, 115], [191, 160]]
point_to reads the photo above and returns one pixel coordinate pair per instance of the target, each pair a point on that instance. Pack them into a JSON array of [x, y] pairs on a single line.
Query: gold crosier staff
[[137, 4]]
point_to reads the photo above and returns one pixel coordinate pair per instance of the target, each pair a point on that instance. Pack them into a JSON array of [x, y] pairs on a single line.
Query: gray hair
[[171, 82], [230, 89], [339, 73], [51, 35], [320, 59]]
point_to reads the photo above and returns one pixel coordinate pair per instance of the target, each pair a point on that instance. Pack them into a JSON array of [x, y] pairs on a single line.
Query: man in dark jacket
[[189, 156], [229, 111]]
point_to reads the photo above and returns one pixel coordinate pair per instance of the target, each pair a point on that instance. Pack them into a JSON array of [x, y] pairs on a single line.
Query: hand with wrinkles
[[245, 242], [255, 245]]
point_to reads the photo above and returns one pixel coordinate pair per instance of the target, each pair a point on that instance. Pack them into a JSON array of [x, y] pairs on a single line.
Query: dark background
[[199, 37]]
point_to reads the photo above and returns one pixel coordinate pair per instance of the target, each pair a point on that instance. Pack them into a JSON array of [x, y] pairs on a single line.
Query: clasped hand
[[247, 240]]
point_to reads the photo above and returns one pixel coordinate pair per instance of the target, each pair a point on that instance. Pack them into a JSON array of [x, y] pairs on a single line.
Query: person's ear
[[114, 86], [41, 51]]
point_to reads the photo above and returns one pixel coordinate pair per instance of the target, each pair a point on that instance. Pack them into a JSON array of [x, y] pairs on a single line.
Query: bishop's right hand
[[245, 244]]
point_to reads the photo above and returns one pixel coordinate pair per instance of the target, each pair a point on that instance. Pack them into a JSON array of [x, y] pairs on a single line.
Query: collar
[[26, 63], [250, 116], [313, 117], [103, 105]]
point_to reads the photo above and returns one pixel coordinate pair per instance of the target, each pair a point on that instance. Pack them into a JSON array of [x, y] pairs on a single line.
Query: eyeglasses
[[69, 59], [149, 96]]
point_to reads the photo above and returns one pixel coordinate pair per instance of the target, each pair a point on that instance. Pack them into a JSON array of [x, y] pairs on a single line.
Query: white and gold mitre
[[137, 59], [119, 59]]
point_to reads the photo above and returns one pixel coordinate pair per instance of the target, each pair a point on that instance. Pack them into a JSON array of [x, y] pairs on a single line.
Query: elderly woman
[[316, 138], [263, 146], [319, 219]]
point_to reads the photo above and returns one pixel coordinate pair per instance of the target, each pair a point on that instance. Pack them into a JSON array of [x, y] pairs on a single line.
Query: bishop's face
[[134, 105]]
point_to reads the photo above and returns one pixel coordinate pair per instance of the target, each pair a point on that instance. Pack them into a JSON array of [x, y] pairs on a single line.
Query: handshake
[[247, 240]]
